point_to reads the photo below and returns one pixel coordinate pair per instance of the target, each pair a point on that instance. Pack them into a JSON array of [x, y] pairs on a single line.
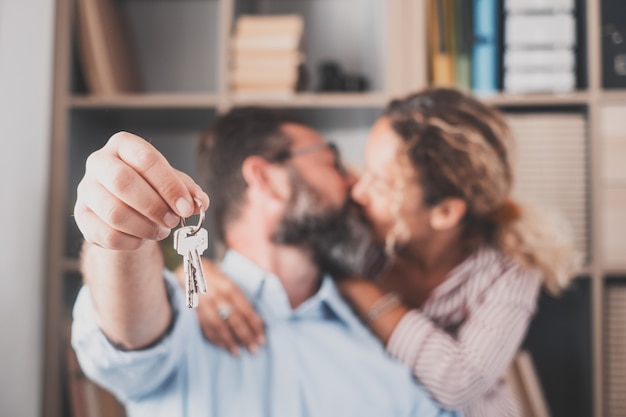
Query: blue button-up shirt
[[319, 360]]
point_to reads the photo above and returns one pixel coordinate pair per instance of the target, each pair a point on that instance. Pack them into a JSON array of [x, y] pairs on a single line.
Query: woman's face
[[380, 186]]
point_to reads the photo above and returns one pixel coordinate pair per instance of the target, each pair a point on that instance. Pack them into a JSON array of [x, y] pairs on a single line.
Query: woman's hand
[[227, 318]]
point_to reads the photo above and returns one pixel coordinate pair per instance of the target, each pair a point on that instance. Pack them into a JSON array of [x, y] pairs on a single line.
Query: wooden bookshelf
[[392, 55]]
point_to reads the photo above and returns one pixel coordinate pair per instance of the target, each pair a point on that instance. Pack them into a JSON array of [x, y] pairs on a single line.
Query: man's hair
[[233, 137]]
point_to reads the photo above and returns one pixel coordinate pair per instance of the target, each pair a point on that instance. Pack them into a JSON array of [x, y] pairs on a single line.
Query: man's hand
[[130, 194], [129, 198]]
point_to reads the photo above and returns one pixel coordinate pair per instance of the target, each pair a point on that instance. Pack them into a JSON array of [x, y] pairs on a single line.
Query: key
[[190, 284], [197, 243], [191, 245], [190, 288]]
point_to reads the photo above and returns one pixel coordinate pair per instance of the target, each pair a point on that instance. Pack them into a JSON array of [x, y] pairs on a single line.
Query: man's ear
[[265, 177], [447, 214]]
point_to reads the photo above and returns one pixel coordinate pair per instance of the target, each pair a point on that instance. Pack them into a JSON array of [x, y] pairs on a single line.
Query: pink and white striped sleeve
[[459, 370]]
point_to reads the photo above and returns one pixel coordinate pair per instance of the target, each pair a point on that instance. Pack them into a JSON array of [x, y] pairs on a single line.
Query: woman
[[466, 262]]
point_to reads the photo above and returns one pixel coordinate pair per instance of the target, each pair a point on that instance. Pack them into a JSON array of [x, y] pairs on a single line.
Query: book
[[613, 44], [266, 59], [553, 30], [462, 12], [485, 50], [276, 33], [287, 76], [441, 52], [521, 59], [516, 6], [273, 43], [105, 48], [269, 25]]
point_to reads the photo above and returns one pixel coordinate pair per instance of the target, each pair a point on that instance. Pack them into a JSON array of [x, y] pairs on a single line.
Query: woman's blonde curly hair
[[460, 147]]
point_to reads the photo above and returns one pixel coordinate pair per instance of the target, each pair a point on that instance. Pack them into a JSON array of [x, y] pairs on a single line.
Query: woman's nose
[[351, 178], [357, 189]]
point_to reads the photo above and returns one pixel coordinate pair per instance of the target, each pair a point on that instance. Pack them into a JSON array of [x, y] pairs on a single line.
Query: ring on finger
[[224, 311]]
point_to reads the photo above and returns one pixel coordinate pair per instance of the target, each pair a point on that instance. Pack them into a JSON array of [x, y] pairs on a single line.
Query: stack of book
[[539, 47], [265, 55]]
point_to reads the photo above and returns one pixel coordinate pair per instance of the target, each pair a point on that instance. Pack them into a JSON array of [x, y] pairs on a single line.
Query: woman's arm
[[458, 370], [365, 296]]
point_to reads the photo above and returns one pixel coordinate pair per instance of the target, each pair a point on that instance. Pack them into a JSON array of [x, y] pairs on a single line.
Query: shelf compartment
[[350, 33], [559, 339], [175, 45]]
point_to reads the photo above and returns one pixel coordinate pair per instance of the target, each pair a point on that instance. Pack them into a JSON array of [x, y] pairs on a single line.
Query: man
[[279, 199]]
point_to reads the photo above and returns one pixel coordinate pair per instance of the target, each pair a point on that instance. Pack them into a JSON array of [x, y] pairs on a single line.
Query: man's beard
[[340, 238]]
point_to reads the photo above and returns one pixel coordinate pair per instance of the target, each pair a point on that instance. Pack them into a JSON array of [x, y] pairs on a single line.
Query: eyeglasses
[[337, 164]]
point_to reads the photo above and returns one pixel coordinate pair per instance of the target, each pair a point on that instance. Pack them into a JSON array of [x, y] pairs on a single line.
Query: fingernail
[[162, 233], [171, 219], [235, 351], [184, 207], [261, 340]]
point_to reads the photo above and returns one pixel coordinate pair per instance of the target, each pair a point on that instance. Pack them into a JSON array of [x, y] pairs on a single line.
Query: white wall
[[26, 42]]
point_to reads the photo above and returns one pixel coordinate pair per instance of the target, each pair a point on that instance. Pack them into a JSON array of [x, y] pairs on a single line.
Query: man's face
[[340, 237], [320, 215]]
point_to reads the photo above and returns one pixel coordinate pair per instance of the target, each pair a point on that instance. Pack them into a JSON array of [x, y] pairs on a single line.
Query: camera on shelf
[[333, 78]]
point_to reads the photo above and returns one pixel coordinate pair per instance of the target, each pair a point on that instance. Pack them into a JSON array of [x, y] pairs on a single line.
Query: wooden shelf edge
[[304, 100], [313, 100], [140, 101], [530, 100], [609, 96], [616, 270]]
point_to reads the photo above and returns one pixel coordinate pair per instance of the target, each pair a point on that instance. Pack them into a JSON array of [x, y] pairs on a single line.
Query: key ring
[[200, 221]]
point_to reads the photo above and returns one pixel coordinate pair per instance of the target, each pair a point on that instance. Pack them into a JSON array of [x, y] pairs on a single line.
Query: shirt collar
[[268, 295], [460, 274]]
